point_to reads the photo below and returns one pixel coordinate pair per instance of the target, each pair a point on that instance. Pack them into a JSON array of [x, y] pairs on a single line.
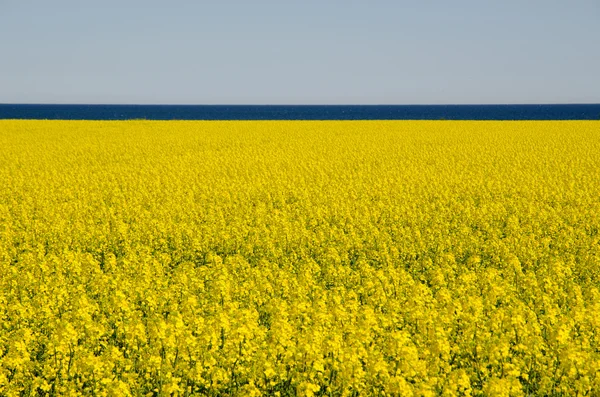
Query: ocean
[[301, 112]]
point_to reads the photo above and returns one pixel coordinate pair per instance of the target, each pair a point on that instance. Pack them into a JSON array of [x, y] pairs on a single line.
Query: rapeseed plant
[[299, 258]]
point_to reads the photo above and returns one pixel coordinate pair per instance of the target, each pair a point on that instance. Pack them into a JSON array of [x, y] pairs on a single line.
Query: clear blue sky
[[292, 52]]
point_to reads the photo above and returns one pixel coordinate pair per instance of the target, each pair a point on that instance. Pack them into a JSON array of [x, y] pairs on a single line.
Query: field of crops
[[293, 258]]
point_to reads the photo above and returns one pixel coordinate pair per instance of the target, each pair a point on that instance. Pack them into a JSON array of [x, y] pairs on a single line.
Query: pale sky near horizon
[[300, 52]]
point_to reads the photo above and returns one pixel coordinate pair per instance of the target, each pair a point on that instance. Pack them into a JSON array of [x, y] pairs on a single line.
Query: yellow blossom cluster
[[300, 258]]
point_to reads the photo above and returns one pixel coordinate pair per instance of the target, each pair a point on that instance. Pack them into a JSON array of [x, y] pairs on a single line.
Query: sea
[[301, 112]]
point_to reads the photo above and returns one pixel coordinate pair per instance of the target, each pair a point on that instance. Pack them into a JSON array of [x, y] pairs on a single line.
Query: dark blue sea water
[[302, 112]]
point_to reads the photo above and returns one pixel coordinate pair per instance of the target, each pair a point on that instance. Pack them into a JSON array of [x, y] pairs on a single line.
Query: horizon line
[[292, 104]]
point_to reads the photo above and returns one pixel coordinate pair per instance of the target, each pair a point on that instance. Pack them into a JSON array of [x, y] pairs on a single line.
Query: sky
[[300, 52]]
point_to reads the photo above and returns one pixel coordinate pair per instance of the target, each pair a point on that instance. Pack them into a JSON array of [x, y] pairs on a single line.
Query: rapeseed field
[[297, 258]]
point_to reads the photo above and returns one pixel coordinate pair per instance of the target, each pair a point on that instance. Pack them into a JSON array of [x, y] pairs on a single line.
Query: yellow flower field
[[284, 258]]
